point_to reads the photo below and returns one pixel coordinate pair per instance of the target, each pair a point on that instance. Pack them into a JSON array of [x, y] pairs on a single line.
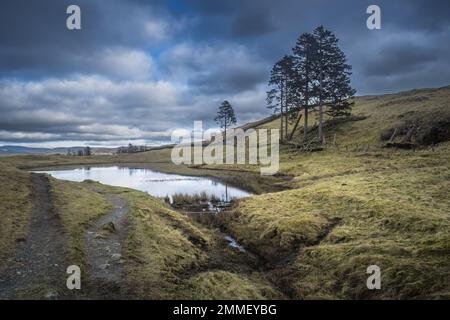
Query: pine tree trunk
[[225, 126], [321, 123], [286, 124], [281, 124], [306, 113], [320, 115], [295, 125], [285, 108], [305, 129], [281, 113]]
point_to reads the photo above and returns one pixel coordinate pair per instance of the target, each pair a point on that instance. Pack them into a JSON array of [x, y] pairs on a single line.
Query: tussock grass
[[15, 209], [78, 208], [396, 218], [183, 199], [166, 250], [162, 244], [223, 285]]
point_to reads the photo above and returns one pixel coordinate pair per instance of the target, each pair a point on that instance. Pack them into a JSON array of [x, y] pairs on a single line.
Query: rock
[[116, 257], [109, 227], [105, 266], [51, 295]]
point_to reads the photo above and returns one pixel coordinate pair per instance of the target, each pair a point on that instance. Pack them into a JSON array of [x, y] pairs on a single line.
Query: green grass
[[15, 209], [383, 113], [339, 223], [78, 208], [166, 250], [223, 285]]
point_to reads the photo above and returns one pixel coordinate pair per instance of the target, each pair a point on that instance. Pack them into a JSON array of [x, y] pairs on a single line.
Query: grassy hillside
[[360, 206], [332, 227], [429, 109]]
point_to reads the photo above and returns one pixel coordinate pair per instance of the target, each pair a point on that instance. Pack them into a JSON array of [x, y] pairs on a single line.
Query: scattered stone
[[105, 266], [116, 257], [109, 227], [21, 240], [51, 295], [99, 236]]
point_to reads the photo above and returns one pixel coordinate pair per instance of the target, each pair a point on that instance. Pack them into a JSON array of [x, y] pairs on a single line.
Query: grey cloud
[[216, 69], [36, 43], [98, 109], [400, 57], [255, 22], [152, 66]]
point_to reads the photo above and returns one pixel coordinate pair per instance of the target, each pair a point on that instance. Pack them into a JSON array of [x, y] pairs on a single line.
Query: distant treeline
[[87, 151], [132, 149]]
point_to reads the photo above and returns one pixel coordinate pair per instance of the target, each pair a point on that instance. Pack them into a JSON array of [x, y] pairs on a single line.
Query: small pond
[[155, 183]]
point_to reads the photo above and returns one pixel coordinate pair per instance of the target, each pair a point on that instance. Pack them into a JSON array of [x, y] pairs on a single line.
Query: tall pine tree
[[225, 116], [281, 97], [303, 53], [331, 73]]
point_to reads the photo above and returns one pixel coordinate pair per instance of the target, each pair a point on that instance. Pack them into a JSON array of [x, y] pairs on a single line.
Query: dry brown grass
[[15, 209]]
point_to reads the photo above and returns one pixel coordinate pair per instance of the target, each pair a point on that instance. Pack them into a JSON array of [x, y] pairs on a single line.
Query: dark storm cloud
[[230, 81], [138, 68], [400, 57], [35, 41], [254, 22]]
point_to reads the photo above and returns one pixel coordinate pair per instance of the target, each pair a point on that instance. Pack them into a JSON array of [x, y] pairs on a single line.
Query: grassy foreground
[[334, 226], [165, 251]]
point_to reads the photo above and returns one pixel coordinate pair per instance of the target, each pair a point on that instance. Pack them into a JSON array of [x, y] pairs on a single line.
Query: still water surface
[[157, 184]]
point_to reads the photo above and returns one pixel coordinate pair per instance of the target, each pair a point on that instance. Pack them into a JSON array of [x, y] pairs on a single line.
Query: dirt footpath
[[104, 243], [38, 269]]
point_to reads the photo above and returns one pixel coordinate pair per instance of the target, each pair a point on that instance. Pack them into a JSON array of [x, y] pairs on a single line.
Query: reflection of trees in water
[[216, 183], [87, 171], [225, 199]]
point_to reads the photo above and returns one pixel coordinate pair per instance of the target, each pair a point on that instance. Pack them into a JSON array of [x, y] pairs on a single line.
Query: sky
[[137, 70]]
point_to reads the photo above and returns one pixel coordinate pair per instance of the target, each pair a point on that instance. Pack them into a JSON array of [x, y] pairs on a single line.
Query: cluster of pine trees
[[314, 78]]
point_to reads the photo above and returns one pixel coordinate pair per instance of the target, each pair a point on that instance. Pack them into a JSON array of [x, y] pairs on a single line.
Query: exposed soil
[[38, 268], [104, 244]]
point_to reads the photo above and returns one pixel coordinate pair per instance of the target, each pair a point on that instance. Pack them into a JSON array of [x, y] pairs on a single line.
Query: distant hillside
[[62, 150]]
